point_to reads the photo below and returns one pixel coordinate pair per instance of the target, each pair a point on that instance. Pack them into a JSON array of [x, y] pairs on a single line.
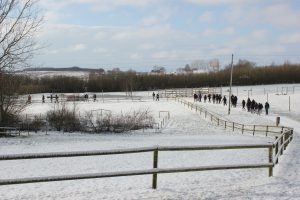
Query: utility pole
[[229, 98]]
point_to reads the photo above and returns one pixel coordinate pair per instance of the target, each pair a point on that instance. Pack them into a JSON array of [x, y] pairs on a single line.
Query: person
[[56, 98], [243, 104], [248, 104], [235, 100], [200, 97], [153, 96], [267, 106], [95, 97], [43, 99], [260, 107], [157, 97], [29, 99], [195, 97], [51, 97], [205, 97], [224, 101]]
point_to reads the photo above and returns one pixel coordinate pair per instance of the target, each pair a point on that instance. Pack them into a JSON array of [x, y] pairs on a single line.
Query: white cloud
[[264, 50], [281, 15], [147, 46], [77, 47], [106, 5], [259, 34], [141, 33], [215, 32], [218, 2], [293, 38], [100, 50], [135, 56], [206, 17]]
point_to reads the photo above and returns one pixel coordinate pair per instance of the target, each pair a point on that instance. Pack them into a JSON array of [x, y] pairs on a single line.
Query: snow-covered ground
[[185, 127]]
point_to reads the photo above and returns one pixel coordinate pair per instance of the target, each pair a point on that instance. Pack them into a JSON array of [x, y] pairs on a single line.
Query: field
[[185, 127]]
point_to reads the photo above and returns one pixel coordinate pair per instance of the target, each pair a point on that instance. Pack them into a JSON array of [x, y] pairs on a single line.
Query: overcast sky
[[138, 34]]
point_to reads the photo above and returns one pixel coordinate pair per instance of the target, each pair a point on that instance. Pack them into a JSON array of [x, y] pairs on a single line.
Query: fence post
[[155, 161], [253, 129], [276, 150], [281, 142], [243, 129], [271, 161], [284, 139], [267, 131]]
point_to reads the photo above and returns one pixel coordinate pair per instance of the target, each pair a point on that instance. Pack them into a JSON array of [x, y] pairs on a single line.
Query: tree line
[[244, 73]]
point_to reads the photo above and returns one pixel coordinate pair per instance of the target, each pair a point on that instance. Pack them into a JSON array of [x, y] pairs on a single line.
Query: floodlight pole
[[229, 98]]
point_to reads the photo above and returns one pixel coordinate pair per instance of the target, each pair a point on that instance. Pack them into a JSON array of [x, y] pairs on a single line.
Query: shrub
[[63, 119], [120, 123]]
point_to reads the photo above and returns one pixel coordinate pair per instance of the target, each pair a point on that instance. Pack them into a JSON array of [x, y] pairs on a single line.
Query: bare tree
[[19, 24]]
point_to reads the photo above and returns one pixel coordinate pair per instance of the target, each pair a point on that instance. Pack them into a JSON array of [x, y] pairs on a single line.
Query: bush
[[63, 119], [121, 123], [34, 123]]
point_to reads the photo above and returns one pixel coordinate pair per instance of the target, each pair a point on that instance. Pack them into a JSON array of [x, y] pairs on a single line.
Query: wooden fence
[[154, 171], [284, 136], [188, 92], [266, 130]]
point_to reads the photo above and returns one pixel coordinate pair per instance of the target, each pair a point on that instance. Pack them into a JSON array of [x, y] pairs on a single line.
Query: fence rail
[[155, 171], [265, 129], [283, 134]]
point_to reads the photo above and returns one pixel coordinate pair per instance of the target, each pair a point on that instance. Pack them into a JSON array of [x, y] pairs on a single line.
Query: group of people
[[215, 98], [234, 100], [252, 106], [255, 107], [51, 97], [155, 96]]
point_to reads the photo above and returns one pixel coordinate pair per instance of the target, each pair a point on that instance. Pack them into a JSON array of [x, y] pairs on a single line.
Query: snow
[[184, 128]]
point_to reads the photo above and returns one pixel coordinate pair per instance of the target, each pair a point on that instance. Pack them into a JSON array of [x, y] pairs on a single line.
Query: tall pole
[[229, 98]]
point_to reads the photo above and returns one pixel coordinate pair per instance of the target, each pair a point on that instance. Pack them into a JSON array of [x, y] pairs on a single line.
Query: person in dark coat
[[56, 98], [243, 104], [195, 97], [267, 106], [205, 97], [157, 97], [260, 107], [29, 99], [224, 101], [234, 101], [248, 104], [153, 96], [43, 99]]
